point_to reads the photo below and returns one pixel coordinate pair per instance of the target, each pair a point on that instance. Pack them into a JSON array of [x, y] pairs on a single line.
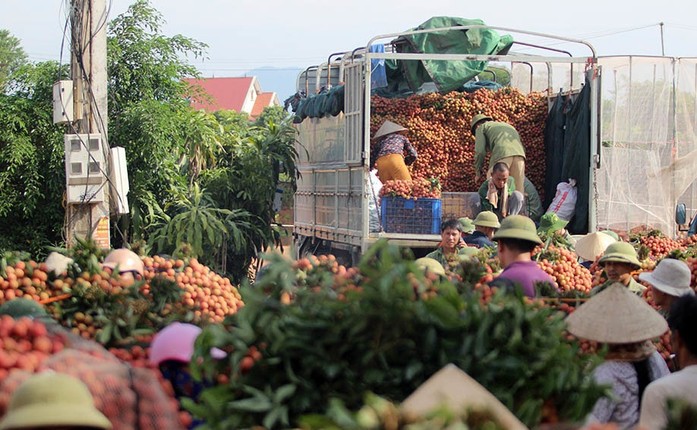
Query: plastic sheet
[[648, 158]]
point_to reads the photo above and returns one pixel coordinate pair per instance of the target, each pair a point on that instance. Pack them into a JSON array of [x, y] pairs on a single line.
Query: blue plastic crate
[[420, 216]]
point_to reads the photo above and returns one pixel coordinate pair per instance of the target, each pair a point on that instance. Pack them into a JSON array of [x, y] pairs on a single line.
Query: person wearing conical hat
[[591, 246], [517, 238], [619, 261], [485, 225], [394, 152], [503, 142], [626, 324], [669, 280], [680, 385]]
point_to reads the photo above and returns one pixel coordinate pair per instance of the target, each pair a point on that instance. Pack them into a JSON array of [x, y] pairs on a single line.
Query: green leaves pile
[[382, 336]]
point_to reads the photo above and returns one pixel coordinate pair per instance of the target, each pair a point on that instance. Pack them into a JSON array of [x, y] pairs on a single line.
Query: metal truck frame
[[331, 201]]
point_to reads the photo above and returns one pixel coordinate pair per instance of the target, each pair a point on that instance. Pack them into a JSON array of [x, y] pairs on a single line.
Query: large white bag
[[374, 202], [564, 202]]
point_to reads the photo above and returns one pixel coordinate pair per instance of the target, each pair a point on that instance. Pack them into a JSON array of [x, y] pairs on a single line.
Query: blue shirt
[[479, 239]]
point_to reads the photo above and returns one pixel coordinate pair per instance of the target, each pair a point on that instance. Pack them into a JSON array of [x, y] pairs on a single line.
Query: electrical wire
[[595, 35], [78, 50]]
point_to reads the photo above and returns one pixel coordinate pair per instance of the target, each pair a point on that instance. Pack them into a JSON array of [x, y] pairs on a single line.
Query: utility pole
[[90, 219], [663, 45]]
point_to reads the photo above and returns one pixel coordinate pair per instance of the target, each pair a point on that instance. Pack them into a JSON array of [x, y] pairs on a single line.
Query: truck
[[634, 138]]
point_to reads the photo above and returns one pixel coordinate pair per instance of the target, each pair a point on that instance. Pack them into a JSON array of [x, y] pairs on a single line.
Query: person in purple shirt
[[516, 239]]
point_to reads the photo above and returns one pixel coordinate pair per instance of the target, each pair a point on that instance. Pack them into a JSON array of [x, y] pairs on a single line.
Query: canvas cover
[[449, 75]]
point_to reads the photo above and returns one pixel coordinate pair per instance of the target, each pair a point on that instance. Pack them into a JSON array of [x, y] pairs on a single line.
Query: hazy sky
[[245, 34]]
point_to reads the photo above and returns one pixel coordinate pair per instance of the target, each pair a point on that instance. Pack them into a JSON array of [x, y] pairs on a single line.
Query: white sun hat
[[670, 276]]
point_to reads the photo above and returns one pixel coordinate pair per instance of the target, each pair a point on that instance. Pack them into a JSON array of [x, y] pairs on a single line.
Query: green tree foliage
[[12, 57], [32, 172], [179, 158], [247, 175], [198, 181], [500, 75], [143, 64], [201, 226]]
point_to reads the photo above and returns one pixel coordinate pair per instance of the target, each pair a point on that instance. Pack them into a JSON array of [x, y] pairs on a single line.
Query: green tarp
[[449, 75], [406, 77]]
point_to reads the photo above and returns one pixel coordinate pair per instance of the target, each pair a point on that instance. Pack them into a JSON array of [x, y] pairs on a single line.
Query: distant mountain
[[279, 80]]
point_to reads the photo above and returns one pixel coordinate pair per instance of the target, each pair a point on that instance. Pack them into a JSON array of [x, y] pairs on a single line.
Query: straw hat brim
[[388, 127], [590, 246], [616, 315]]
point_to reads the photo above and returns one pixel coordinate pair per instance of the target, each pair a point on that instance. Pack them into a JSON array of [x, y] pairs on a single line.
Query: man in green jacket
[[504, 144], [528, 204], [451, 249]]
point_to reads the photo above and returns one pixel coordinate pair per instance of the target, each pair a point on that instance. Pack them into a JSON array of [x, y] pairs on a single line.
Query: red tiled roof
[[263, 100], [225, 93]]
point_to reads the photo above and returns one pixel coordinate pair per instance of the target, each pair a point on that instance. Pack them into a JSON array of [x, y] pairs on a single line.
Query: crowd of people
[[641, 383], [505, 191], [615, 315]]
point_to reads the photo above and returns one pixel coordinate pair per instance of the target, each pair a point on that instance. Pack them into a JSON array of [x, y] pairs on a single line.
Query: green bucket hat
[[550, 222], [477, 118], [21, 307], [518, 227], [487, 219], [620, 252], [467, 225], [53, 399], [432, 265]]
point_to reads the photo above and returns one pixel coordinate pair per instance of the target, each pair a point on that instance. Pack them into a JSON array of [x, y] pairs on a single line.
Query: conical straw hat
[[388, 127], [590, 246], [452, 387], [616, 315]]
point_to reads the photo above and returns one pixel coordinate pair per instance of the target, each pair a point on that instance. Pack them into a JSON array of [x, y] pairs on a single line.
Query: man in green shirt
[[619, 261], [493, 198], [452, 249], [504, 144]]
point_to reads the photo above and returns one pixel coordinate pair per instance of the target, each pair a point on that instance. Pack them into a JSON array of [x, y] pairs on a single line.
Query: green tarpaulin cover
[[449, 75]]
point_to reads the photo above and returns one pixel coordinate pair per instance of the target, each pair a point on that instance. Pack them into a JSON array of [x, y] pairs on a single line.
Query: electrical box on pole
[[63, 102], [118, 176], [84, 168]]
